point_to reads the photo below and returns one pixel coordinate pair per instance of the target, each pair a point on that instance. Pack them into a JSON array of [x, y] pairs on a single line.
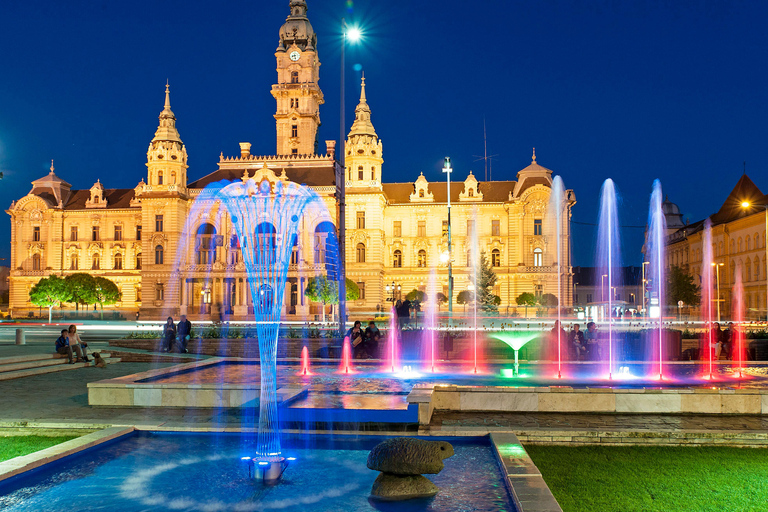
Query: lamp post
[[352, 34], [746, 204], [392, 288], [602, 286], [644, 290], [717, 274], [447, 169]]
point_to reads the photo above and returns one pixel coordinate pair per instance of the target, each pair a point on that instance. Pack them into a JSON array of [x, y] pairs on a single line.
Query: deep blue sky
[[630, 90]]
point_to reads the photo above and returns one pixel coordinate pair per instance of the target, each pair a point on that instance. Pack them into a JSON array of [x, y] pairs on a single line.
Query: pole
[[447, 170], [343, 191], [765, 270], [717, 273]]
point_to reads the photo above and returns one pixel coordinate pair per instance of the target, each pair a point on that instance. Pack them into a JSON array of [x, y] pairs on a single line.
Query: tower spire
[[362, 124], [166, 130], [167, 96]]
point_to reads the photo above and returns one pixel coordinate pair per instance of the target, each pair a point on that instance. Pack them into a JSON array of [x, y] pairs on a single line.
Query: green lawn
[[655, 478], [14, 446]]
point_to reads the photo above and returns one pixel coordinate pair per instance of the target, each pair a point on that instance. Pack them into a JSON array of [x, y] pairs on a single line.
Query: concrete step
[[47, 356], [50, 369], [36, 363]]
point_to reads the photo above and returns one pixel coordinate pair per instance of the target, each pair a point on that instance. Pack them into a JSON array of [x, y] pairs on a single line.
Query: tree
[[105, 292], [440, 299], [680, 287], [325, 291], [548, 300], [50, 292], [82, 288], [486, 280], [416, 296], [526, 299], [465, 297]]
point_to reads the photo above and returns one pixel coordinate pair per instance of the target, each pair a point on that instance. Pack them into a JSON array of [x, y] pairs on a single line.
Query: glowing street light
[[448, 169], [746, 204]]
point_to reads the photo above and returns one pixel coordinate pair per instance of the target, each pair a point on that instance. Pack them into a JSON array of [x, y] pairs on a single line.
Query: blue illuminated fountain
[[266, 212]]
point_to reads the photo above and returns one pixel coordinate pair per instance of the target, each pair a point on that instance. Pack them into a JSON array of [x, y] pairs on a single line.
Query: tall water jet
[[430, 321], [707, 291], [392, 335], [608, 257], [657, 226], [305, 361], [555, 211], [265, 212], [476, 292], [737, 334]]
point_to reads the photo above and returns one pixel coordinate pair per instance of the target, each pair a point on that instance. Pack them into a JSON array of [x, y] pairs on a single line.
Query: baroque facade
[[738, 250], [393, 233]]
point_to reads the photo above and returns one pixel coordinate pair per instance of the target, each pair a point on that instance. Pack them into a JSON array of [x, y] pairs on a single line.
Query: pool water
[[204, 472]]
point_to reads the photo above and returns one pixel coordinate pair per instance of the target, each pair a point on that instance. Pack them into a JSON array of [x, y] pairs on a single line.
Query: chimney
[[330, 146], [245, 150]]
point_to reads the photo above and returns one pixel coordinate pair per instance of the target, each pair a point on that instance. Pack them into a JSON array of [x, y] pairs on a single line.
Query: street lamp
[[746, 204], [644, 286], [447, 169], [717, 273], [392, 288], [352, 34]]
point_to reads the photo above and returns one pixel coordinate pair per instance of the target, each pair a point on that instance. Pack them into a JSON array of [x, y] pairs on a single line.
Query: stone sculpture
[[402, 462]]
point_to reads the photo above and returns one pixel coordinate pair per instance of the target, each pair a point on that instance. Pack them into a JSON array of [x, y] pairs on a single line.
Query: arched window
[[159, 255], [294, 77], [397, 259], [35, 262], [733, 272], [118, 261], [421, 259], [138, 261], [295, 253], [748, 270], [740, 245], [360, 173], [471, 192], [173, 177], [95, 263], [73, 262], [733, 246], [421, 192], [205, 249], [360, 253], [159, 177], [749, 244], [496, 258], [265, 248], [538, 257]]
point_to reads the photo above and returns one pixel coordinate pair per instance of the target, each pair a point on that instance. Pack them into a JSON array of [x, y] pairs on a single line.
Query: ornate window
[[294, 77], [360, 220], [537, 228], [495, 258], [118, 261], [159, 177], [265, 248], [538, 257], [421, 192], [74, 262], [118, 232], [361, 287], [495, 228], [205, 250], [360, 253], [294, 130], [95, 236], [73, 233], [36, 234], [360, 173], [422, 259], [36, 262], [159, 255], [95, 262], [138, 261], [138, 232], [421, 229], [397, 259], [159, 223], [397, 228]]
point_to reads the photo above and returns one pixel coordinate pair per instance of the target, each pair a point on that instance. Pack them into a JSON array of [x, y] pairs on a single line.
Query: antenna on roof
[[485, 157], [745, 167]]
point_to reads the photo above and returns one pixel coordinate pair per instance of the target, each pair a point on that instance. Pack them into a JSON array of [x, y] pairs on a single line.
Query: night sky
[[631, 90]]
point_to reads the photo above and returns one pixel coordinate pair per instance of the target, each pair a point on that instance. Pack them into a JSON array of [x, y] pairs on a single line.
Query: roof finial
[[533, 160], [167, 95], [362, 89], [51, 165]]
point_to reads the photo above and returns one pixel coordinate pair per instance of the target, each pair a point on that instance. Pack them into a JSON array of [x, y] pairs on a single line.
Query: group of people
[[176, 336], [722, 343], [365, 343], [70, 344], [581, 346]]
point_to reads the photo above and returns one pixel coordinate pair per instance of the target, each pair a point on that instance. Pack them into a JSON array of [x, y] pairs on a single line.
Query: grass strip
[[15, 446], [655, 478]]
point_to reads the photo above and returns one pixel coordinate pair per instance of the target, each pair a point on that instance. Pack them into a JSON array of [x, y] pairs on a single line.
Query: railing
[[538, 270]]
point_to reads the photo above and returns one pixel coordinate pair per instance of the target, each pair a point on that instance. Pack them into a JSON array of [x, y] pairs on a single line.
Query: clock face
[[295, 56]]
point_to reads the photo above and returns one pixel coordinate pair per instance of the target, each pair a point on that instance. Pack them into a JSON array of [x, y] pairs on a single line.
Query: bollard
[[20, 337]]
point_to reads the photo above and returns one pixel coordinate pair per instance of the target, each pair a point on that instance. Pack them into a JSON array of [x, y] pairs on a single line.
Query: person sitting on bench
[[62, 347]]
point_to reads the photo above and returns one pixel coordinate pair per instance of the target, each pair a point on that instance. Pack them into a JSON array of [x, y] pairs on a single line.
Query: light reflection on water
[[205, 473]]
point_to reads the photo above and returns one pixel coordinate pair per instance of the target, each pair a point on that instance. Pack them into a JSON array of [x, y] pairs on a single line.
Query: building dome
[[297, 29], [672, 214], [670, 208]]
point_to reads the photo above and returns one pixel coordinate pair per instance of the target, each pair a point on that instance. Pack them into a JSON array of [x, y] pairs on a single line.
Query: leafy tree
[[325, 291], [50, 292], [486, 280], [416, 295], [465, 297], [82, 288], [548, 300], [526, 299], [680, 287], [105, 292], [441, 299]]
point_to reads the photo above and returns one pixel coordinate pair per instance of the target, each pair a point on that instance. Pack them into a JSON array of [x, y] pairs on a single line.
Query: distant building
[[590, 288], [393, 232], [738, 249]]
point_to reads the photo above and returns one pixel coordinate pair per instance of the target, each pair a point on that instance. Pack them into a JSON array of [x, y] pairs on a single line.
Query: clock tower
[[297, 92]]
